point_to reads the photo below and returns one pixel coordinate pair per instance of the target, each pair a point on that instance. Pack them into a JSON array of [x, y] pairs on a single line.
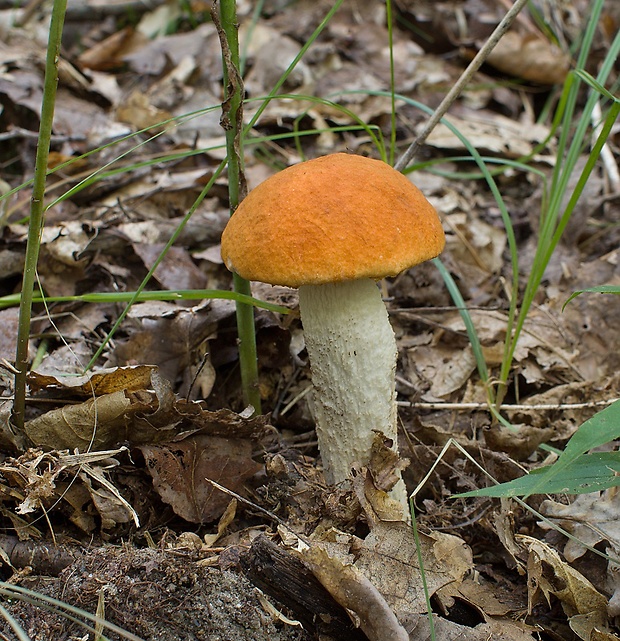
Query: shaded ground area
[[158, 595]]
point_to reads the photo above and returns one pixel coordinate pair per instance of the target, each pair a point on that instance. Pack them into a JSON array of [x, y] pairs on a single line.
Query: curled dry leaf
[[549, 575], [105, 381], [97, 423], [491, 132], [591, 518]]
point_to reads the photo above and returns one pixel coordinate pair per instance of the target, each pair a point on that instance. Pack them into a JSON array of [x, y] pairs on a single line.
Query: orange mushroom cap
[[338, 217]]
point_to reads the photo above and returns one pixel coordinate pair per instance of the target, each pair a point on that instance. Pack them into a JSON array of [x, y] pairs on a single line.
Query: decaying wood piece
[[286, 579], [43, 558]]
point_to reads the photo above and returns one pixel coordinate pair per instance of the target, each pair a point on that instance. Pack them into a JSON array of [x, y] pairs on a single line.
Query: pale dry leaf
[[104, 381], [98, 423], [110, 505], [490, 132], [176, 271], [591, 518], [446, 630], [376, 503], [138, 111], [267, 68], [388, 557], [477, 243], [9, 319], [439, 368], [110, 52], [549, 575], [225, 520], [531, 57], [157, 21]]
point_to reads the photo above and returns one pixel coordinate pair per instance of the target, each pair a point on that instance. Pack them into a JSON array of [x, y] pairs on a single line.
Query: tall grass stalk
[[556, 210], [37, 209]]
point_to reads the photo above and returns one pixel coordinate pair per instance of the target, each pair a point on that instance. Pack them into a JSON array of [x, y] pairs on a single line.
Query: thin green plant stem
[[469, 324], [20, 633], [66, 610], [37, 210], [232, 121], [125, 297], [427, 594]]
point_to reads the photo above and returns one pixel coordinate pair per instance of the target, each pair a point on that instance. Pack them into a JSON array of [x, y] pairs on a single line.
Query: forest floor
[[106, 498]]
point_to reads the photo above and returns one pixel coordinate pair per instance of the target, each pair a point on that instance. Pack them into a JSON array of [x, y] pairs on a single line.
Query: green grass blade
[[137, 297], [601, 429], [587, 473], [467, 319], [599, 289]]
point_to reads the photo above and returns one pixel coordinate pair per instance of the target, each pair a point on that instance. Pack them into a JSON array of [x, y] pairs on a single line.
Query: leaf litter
[[124, 453]]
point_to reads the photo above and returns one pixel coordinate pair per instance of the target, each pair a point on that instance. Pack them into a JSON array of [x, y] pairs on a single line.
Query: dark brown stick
[[286, 579]]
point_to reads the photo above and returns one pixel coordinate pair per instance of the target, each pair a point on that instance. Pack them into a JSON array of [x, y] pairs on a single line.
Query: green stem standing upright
[[232, 121], [37, 209]]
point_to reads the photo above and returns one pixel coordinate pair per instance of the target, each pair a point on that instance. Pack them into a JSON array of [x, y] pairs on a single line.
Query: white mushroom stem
[[352, 352]]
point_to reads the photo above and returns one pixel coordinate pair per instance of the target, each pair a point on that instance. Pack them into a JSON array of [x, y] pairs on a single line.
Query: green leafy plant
[[576, 471]]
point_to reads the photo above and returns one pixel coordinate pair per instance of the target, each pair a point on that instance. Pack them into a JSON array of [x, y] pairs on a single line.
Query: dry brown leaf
[[176, 271], [225, 520], [77, 497], [138, 111], [110, 506], [388, 557], [591, 518], [439, 368], [180, 471], [169, 335], [492, 630], [105, 381], [549, 576], [97, 423], [530, 57], [110, 52], [8, 333]]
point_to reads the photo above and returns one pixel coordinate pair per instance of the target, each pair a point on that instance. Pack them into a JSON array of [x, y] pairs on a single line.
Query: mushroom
[[332, 227]]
